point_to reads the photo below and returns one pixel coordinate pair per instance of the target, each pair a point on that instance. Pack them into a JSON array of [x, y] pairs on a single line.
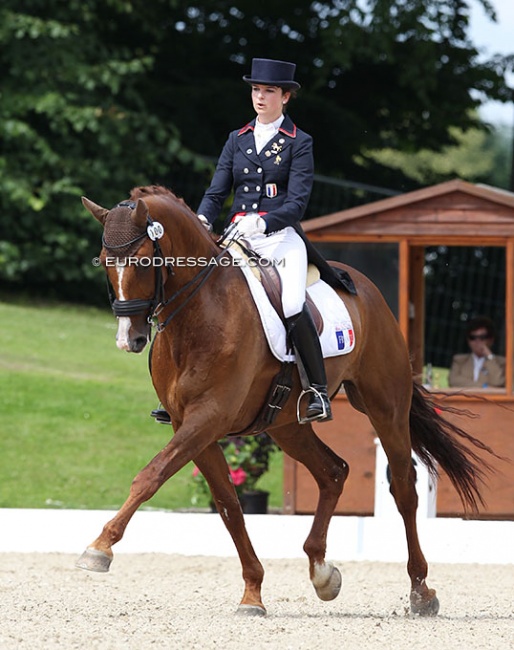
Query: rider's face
[[269, 102]]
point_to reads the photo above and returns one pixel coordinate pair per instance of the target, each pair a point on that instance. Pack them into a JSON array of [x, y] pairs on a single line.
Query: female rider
[[269, 165]]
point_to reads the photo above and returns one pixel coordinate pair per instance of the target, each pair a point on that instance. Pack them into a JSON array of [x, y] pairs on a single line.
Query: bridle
[[137, 306], [155, 305]]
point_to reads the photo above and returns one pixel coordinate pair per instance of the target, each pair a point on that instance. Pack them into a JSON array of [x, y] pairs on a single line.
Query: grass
[[75, 415]]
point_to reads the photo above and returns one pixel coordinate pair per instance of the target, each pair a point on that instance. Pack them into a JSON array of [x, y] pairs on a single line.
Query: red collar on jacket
[[288, 127]]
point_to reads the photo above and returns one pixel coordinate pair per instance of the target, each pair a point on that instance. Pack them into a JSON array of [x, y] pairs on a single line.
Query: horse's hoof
[[327, 581], [250, 610], [420, 607], [94, 560]]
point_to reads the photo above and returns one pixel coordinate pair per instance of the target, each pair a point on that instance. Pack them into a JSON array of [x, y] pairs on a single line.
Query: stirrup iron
[[316, 418]]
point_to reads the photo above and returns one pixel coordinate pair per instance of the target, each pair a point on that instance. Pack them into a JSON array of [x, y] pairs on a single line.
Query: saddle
[[273, 287], [269, 277]]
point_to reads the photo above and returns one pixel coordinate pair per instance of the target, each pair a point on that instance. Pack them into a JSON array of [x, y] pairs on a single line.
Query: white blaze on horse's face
[[122, 335]]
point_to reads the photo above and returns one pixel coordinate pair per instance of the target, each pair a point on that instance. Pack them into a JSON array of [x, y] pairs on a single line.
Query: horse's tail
[[439, 442]]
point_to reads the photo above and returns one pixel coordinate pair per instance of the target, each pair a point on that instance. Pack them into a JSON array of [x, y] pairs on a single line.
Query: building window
[[461, 282]]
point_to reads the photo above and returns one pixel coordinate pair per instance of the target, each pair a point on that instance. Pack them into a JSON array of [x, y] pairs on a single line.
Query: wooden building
[[397, 231]]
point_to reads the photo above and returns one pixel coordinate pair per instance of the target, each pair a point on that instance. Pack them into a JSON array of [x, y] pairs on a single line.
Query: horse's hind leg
[[423, 600], [330, 472], [392, 427]]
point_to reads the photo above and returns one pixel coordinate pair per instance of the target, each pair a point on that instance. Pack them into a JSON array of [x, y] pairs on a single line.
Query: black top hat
[[272, 73]]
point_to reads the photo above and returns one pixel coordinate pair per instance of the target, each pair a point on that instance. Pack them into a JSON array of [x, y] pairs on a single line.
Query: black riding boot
[[306, 343]]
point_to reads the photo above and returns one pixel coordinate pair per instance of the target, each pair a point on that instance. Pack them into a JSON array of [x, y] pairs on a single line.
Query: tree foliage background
[[99, 96]]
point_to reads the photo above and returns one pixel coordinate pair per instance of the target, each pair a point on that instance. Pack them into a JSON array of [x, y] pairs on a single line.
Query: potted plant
[[248, 459]]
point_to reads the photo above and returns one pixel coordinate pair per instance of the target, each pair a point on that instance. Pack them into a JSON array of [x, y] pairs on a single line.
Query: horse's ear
[[97, 211], [140, 214]]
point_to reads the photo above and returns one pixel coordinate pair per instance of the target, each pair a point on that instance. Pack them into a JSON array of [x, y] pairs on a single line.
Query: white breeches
[[286, 247]]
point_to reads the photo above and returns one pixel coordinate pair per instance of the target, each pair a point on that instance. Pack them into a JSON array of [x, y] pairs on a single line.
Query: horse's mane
[[146, 191], [158, 191]]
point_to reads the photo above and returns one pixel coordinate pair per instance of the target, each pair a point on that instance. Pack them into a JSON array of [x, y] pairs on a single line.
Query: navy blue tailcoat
[[277, 182]]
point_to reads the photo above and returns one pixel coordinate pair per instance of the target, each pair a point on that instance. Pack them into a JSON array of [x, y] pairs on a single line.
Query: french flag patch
[[344, 338], [271, 190]]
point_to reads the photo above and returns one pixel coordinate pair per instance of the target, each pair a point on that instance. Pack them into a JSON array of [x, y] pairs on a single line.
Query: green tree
[[500, 142], [477, 156], [74, 119]]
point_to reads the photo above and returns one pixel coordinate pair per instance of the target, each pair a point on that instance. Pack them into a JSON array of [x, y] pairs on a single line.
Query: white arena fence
[[274, 535]]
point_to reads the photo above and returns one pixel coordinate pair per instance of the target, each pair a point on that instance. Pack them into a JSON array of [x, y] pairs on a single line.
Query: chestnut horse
[[212, 368]]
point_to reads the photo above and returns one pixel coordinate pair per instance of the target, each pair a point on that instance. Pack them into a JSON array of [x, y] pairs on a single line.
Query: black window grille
[[461, 282]]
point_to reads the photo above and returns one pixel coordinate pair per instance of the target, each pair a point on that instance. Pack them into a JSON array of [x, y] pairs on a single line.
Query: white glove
[[205, 222], [250, 225]]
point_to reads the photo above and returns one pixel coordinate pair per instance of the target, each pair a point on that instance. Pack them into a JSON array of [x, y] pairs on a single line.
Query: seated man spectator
[[480, 368]]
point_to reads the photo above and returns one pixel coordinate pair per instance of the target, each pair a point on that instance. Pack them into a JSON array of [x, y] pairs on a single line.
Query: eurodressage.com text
[[189, 261]]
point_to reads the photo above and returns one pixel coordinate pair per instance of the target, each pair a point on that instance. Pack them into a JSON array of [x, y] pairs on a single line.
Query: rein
[[155, 306], [203, 276]]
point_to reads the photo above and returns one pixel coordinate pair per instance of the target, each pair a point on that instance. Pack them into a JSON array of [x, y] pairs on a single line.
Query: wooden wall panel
[[352, 437]]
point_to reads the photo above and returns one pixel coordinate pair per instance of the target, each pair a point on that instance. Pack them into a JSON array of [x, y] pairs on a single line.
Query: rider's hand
[[250, 225], [205, 222]]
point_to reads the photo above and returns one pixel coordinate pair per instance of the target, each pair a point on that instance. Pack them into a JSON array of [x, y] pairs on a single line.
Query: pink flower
[[196, 471], [238, 476]]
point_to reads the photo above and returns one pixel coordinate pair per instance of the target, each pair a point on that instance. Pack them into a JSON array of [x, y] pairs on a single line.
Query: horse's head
[[130, 241]]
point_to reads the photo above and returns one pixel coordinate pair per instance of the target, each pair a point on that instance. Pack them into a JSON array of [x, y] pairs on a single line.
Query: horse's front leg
[[179, 451], [330, 472], [213, 466]]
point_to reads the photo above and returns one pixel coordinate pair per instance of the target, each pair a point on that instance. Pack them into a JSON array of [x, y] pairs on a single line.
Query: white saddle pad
[[337, 337]]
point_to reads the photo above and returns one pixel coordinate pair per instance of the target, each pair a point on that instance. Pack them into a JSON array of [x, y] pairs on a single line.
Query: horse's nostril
[[139, 343]]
